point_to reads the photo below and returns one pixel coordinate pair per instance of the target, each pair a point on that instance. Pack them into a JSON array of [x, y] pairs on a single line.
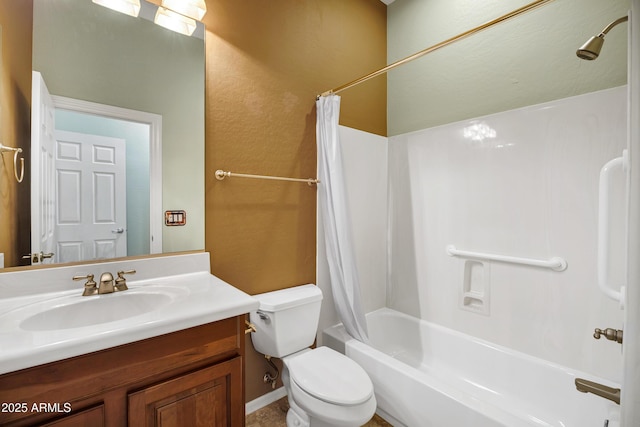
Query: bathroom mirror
[[91, 55]]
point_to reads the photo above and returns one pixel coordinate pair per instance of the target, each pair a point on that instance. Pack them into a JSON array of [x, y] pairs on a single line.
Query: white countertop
[[195, 299]]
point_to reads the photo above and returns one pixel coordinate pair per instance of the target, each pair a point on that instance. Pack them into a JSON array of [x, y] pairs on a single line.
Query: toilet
[[325, 388]]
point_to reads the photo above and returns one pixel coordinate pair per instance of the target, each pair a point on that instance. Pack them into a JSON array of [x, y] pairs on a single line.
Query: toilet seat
[[331, 377]]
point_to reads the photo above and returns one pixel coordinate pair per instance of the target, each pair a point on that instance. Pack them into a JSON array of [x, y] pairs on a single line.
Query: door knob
[[609, 333], [38, 257], [33, 257], [118, 231]]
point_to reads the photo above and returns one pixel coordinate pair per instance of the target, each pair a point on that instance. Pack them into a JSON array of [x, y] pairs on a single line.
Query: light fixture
[[175, 21], [194, 9], [129, 7]]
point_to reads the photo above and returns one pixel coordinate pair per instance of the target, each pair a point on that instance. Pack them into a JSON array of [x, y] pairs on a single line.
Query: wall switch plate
[[173, 218]]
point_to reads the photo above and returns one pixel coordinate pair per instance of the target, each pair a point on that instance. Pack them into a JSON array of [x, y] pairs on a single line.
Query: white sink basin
[[94, 310], [71, 310], [44, 317]]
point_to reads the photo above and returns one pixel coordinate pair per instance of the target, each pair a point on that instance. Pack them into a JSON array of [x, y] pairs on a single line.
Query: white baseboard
[[265, 400], [388, 418]]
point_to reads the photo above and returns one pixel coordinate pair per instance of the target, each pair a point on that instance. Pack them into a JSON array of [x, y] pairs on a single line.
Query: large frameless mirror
[[121, 100]]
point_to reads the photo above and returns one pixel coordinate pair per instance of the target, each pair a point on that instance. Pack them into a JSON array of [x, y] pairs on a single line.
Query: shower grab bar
[[220, 175], [555, 263], [603, 227]]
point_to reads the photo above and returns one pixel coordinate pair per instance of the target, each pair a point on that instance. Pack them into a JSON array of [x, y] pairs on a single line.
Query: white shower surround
[[531, 192]]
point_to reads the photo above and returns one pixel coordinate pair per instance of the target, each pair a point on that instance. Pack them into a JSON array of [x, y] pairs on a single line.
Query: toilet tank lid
[[290, 297]]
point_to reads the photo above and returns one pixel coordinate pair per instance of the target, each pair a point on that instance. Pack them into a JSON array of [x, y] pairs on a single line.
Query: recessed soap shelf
[[476, 287]]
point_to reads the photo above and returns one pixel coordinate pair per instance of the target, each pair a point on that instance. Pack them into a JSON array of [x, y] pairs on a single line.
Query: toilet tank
[[287, 320]]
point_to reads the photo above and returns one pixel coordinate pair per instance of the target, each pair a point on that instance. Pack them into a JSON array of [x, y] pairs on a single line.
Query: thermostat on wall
[[172, 218]]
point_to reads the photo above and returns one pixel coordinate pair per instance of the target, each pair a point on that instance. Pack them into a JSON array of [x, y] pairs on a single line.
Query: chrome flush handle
[[263, 316]]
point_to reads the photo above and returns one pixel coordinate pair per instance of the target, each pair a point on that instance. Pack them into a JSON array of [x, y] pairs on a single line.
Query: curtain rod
[[220, 175], [437, 46]]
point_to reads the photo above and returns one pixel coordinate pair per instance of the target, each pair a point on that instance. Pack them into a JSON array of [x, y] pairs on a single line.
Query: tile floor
[[274, 415]]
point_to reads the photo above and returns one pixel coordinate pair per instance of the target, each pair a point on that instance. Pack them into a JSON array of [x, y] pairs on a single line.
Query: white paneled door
[[91, 211], [43, 200]]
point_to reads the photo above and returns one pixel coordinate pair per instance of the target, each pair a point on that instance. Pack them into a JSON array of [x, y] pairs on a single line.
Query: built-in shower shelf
[[476, 286]]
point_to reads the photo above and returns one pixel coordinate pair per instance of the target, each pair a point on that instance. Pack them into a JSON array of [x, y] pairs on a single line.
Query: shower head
[[591, 49]]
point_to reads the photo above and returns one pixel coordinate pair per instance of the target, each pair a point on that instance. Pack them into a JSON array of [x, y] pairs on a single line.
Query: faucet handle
[[90, 287], [121, 282], [609, 333]]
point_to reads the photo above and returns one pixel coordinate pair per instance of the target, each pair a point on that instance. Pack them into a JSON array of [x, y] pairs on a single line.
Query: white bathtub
[[426, 375]]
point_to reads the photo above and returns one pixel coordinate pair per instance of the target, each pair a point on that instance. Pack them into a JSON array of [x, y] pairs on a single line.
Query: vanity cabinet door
[[93, 417], [207, 397]]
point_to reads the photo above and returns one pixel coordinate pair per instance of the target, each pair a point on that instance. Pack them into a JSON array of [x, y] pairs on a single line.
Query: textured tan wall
[[266, 61], [16, 20]]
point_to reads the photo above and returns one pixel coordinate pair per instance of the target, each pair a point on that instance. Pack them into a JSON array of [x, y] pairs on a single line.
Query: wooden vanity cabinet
[[196, 399], [193, 378]]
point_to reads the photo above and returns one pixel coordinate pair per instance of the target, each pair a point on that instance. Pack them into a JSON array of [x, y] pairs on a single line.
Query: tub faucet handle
[[609, 333]]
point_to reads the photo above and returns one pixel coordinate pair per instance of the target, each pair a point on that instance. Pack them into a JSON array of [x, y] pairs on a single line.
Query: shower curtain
[[333, 211]]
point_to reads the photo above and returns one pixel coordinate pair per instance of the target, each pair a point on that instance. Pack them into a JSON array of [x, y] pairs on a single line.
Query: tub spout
[[610, 393]]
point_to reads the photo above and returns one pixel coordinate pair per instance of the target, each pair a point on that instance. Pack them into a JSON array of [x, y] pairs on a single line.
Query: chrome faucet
[[610, 393]]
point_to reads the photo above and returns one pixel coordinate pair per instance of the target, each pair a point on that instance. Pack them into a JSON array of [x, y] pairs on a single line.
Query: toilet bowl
[[330, 388], [325, 388]]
